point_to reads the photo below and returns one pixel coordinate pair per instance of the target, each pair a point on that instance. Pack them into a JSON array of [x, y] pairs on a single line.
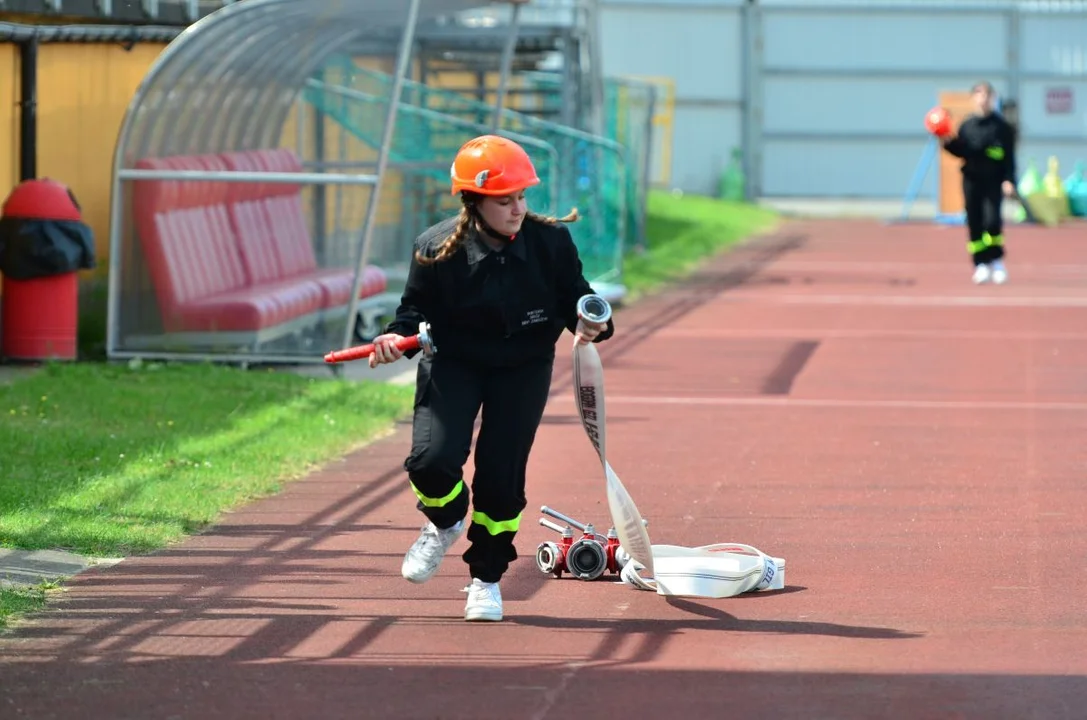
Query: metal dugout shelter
[[213, 222]]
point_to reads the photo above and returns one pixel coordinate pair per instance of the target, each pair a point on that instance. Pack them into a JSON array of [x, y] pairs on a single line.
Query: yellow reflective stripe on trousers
[[496, 526], [994, 240], [976, 246], [438, 502]]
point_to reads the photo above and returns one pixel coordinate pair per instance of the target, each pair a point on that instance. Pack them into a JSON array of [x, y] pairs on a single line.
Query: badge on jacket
[[534, 317]]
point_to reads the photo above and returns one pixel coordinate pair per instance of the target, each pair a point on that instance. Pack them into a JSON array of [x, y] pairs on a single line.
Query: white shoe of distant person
[[982, 274]]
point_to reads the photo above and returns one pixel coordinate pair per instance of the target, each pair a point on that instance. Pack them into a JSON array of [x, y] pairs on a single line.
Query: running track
[[837, 394]]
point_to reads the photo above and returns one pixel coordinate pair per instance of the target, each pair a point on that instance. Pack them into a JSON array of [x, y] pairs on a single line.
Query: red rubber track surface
[[838, 394]]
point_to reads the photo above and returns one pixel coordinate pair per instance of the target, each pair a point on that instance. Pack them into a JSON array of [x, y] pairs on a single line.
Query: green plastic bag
[[733, 184], [1030, 182], [1075, 185], [1054, 188]]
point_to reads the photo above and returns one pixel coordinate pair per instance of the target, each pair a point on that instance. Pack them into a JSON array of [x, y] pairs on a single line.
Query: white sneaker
[[484, 601], [982, 274], [1000, 273], [425, 555]]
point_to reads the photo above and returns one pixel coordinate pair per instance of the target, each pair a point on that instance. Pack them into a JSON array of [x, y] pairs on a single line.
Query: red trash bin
[[43, 245]]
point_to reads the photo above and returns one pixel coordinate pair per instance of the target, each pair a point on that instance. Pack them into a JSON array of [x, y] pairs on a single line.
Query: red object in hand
[[938, 122], [359, 352]]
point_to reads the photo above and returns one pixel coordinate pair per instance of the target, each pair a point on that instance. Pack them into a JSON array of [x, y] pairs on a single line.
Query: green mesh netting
[[629, 106], [423, 145], [577, 169]]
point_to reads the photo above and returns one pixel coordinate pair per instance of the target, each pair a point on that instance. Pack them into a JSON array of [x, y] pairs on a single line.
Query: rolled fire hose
[[719, 570]]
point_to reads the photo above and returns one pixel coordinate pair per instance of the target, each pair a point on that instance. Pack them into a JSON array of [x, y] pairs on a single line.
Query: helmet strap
[[492, 232]]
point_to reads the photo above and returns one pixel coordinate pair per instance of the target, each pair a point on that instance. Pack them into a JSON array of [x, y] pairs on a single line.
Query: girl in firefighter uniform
[[986, 143], [498, 285]]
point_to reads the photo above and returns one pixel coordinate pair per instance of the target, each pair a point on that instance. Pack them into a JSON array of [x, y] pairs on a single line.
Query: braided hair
[[572, 216], [468, 213], [451, 243]]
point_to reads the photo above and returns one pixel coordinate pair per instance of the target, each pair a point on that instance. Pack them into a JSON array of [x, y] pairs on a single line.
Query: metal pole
[[28, 109], [251, 176], [320, 203], [402, 61], [647, 164], [337, 211], [596, 70], [116, 223], [1014, 54], [506, 66], [748, 80], [300, 124], [754, 100]]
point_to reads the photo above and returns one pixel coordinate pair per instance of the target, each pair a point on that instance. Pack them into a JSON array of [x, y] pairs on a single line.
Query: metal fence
[[628, 122], [425, 141], [597, 175]]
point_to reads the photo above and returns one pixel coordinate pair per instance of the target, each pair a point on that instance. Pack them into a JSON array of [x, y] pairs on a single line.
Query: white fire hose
[[713, 571]]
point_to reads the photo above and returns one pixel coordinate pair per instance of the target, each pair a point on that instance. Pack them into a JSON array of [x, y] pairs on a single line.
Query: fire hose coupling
[[594, 308], [587, 557], [426, 340]]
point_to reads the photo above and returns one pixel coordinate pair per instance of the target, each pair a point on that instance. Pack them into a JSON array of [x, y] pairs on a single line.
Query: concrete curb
[[22, 568]]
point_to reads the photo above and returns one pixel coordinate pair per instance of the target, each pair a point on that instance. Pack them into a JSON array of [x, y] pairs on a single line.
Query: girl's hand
[[587, 331], [385, 350]]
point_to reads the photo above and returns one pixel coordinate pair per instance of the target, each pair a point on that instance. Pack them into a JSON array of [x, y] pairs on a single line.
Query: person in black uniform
[[498, 284], [986, 143]]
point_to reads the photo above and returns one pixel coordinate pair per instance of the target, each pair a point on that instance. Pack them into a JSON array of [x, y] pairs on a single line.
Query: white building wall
[[827, 97], [699, 45]]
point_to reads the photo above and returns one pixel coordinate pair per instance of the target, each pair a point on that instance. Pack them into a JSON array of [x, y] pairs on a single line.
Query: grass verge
[[107, 461], [684, 230], [16, 601]]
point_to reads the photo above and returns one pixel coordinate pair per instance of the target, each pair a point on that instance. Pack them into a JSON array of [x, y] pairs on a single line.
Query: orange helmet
[[492, 165]]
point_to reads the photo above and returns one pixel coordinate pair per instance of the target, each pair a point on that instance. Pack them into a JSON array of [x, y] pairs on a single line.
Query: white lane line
[[838, 403]]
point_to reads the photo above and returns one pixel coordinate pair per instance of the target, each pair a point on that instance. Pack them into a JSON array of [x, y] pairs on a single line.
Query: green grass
[[93, 299], [17, 601], [105, 460], [683, 231]]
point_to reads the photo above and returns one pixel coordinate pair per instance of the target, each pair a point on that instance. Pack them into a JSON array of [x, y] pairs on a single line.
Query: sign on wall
[[1058, 100]]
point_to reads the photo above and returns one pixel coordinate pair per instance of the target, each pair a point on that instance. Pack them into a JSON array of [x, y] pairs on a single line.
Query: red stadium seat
[[270, 220], [228, 257], [201, 277]]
